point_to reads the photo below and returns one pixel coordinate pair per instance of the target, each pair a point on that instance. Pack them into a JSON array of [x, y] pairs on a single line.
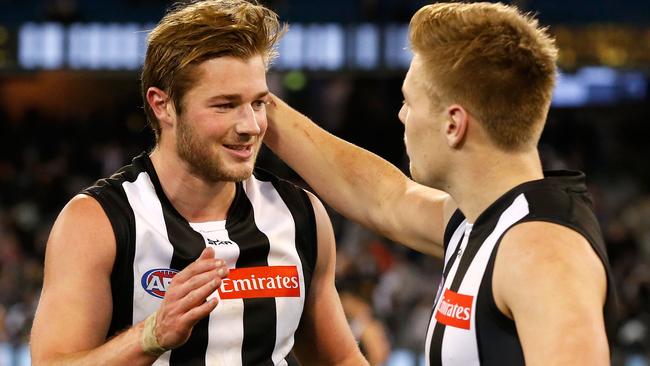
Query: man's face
[[223, 122], [422, 123]]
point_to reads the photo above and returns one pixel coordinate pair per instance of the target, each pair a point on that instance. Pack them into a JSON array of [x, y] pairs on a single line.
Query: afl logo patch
[[156, 281]]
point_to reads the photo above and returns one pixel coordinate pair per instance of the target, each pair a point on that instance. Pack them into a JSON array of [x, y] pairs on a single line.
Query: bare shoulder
[[78, 262], [538, 258], [82, 231], [325, 232], [548, 245], [319, 208], [81, 234]]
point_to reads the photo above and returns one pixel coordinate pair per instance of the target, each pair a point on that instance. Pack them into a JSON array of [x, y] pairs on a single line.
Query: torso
[[268, 240], [466, 327]]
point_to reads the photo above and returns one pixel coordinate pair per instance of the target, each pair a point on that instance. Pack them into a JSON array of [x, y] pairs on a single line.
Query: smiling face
[[223, 119]]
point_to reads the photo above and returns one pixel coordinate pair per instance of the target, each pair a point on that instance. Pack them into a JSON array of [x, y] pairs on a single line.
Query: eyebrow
[[238, 97]]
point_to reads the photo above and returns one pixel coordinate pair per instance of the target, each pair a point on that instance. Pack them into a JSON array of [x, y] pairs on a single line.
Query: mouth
[[241, 151]]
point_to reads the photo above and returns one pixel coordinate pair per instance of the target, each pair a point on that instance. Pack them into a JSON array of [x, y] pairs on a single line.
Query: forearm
[[355, 182], [354, 360], [124, 349]]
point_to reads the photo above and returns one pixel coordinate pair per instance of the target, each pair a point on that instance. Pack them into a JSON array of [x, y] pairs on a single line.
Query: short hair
[[493, 60], [197, 31]]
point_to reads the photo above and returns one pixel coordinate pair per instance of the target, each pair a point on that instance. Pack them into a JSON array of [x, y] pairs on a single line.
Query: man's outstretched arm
[[359, 184]]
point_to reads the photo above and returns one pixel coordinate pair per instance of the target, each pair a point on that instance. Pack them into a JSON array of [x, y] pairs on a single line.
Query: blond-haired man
[[185, 257], [526, 278]]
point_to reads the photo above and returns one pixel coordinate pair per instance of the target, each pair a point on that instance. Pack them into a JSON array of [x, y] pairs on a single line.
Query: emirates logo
[[455, 309], [260, 282]]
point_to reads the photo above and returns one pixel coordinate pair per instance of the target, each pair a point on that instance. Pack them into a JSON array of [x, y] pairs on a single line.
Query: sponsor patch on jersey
[[259, 282], [218, 242], [156, 281], [455, 309]]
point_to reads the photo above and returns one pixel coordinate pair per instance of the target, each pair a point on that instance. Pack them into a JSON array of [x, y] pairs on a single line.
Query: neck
[[196, 199], [489, 178]]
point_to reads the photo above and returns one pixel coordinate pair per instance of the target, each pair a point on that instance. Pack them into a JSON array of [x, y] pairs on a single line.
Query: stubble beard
[[201, 162]]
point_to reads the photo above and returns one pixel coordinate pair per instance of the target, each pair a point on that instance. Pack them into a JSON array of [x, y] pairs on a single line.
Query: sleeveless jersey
[[466, 327], [268, 241]]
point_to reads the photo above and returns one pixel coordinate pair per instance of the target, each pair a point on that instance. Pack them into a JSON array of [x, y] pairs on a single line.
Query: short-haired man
[[183, 257], [526, 278]]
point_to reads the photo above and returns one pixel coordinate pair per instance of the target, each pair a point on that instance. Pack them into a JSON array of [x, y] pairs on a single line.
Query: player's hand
[[277, 110], [272, 108], [279, 115], [185, 301]]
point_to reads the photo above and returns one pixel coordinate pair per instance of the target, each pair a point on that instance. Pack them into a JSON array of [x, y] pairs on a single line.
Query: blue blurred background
[[70, 113]]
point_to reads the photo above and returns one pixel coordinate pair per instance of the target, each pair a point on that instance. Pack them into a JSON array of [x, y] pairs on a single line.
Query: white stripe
[[226, 325], [273, 218], [453, 244], [460, 346], [152, 247]]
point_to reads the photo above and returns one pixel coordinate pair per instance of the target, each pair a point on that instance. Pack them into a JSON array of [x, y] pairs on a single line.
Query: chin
[[428, 181], [241, 176], [414, 173], [239, 173]]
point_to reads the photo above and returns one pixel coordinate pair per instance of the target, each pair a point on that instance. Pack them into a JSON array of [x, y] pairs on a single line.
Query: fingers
[[273, 100], [194, 306], [185, 301], [205, 262], [195, 276], [200, 312], [203, 285]]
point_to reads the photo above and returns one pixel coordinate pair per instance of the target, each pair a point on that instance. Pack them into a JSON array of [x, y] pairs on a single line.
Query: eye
[[258, 105], [223, 107]]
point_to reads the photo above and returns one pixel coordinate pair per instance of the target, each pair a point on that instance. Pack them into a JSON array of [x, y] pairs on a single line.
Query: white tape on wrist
[[149, 342]]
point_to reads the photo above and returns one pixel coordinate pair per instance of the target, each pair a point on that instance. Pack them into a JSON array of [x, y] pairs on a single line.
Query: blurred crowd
[[387, 290]]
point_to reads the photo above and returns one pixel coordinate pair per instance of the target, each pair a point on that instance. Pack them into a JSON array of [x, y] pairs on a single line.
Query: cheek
[[262, 122], [412, 125]]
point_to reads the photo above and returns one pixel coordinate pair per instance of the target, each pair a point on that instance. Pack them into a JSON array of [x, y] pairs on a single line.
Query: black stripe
[[439, 328], [436, 337], [452, 225], [304, 218], [259, 313], [111, 196], [291, 359], [188, 245], [477, 236]]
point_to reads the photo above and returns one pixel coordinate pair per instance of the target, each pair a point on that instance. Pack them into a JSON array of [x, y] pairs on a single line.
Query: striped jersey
[[268, 241], [466, 326]]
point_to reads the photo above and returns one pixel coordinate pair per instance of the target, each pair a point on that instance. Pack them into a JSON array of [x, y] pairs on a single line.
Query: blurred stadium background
[[70, 113]]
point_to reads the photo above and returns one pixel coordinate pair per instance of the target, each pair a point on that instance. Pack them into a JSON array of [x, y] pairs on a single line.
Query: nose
[[248, 123], [403, 113]]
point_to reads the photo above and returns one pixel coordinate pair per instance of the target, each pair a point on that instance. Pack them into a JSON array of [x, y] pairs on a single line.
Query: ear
[[162, 106], [456, 127]]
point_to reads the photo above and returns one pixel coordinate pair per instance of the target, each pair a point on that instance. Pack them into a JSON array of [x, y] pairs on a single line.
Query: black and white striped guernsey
[[466, 327], [268, 240]]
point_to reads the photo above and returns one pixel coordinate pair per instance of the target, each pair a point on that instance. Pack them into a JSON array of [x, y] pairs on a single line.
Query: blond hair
[[191, 33], [495, 61]]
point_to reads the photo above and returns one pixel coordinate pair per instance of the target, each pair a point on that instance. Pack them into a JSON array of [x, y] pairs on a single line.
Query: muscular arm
[[324, 336], [551, 282], [359, 184], [75, 307]]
